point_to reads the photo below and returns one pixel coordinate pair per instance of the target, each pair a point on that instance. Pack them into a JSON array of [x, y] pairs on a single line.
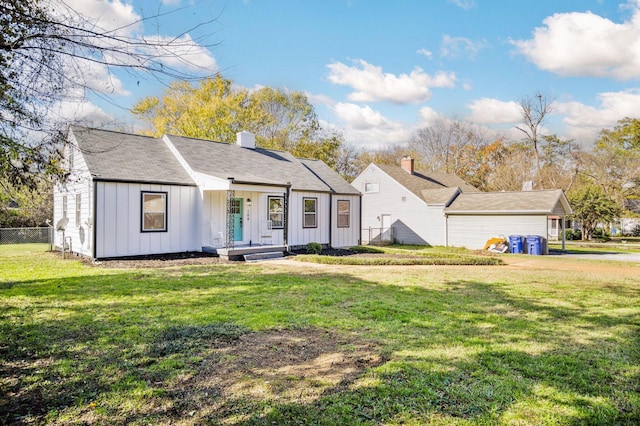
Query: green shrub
[[573, 234], [600, 234], [314, 248]]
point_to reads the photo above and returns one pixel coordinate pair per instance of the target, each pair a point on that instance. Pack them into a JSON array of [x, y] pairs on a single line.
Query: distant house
[[406, 206], [130, 195], [402, 205]]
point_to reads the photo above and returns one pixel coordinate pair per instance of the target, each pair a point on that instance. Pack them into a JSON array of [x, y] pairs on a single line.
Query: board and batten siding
[[118, 220], [412, 220], [345, 236], [298, 234], [473, 231]]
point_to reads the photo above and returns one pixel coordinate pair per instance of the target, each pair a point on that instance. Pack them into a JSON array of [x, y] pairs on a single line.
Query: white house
[[402, 205], [130, 195]]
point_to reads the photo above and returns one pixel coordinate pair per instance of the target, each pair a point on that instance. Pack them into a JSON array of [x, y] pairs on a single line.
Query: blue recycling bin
[[515, 244], [534, 244]]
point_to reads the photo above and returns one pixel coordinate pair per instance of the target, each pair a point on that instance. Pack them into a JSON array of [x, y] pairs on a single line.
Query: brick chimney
[[407, 164]]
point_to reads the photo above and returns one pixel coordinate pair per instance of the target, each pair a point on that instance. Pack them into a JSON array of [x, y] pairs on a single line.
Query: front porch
[[248, 252]]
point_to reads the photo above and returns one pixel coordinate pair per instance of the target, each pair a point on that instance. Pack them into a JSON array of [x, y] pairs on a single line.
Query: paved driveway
[[623, 257]]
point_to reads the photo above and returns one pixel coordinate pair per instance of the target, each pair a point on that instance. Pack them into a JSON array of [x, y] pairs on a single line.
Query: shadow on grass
[[175, 346]]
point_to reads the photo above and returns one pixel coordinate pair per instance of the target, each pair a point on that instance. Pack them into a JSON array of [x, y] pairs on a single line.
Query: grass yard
[[540, 341]]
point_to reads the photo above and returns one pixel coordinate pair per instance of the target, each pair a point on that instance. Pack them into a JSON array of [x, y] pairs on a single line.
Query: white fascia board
[[258, 188], [211, 183], [498, 212]]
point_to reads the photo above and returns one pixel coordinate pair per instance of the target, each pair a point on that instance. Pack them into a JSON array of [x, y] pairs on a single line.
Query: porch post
[[563, 233], [230, 223], [285, 218]]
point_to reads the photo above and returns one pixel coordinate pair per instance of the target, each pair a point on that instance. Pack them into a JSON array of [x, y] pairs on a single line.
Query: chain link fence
[[26, 235]]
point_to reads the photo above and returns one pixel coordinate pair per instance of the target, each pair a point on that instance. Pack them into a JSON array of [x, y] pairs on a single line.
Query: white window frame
[[372, 187], [343, 215], [78, 208], [275, 216], [308, 214]]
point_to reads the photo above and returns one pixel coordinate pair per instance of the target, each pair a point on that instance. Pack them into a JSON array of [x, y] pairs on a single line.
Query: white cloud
[[494, 111], [372, 85], [115, 16], [364, 127], [458, 47], [181, 52], [84, 112], [585, 44], [126, 46], [584, 122], [429, 116], [360, 117], [464, 4], [425, 52]]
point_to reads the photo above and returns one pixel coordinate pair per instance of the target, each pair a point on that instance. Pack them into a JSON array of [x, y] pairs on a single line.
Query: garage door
[[473, 231]]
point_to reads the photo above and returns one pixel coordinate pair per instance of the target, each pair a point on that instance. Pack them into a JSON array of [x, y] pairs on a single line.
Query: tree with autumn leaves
[[217, 110]]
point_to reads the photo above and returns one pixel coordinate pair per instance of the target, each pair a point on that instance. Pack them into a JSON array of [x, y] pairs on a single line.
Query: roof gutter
[[149, 182]]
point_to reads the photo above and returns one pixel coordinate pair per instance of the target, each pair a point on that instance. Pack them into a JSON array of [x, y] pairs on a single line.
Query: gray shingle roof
[[126, 157], [441, 196], [223, 160], [329, 177], [428, 186], [524, 202]]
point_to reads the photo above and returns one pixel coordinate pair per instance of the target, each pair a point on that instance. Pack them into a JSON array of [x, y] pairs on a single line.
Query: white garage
[[474, 218]]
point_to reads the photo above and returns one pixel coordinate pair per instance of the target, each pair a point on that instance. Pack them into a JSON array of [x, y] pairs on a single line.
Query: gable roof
[[329, 177], [432, 187], [116, 156], [442, 196], [547, 202], [125, 157], [258, 166]]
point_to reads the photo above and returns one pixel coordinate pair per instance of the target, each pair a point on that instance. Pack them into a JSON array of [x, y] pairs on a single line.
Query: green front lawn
[[292, 343]]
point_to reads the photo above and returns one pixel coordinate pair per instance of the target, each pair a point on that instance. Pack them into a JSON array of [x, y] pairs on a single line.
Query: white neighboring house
[[402, 205], [130, 195], [405, 206]]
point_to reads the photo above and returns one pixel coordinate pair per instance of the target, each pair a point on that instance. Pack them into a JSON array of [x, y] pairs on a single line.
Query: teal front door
[[236, 211]]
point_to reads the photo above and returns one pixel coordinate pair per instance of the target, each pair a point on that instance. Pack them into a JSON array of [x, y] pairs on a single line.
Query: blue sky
[[378, 70]]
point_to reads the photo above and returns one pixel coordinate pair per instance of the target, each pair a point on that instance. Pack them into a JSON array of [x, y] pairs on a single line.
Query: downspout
[[446, 230], [286, 228], [562, 218], [360, 221], [331, 220]]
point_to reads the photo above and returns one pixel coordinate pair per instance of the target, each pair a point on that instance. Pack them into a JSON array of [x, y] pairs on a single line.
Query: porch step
[[253, 257]]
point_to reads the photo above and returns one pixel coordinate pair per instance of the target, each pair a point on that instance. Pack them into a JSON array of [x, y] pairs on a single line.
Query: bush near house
[[314, 248]]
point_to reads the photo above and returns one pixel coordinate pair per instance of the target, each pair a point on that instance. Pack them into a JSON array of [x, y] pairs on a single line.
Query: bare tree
[[51, 53], [448, 146], [535, 110]]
